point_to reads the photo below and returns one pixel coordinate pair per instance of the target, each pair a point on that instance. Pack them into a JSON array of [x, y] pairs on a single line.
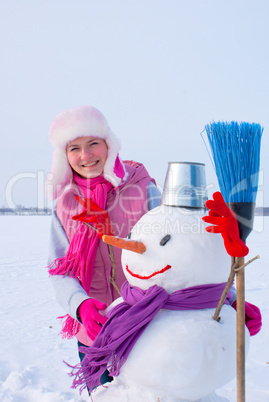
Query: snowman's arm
[[224, 221]]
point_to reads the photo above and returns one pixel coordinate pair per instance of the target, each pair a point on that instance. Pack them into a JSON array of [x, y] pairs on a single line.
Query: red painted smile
[[150, 276]]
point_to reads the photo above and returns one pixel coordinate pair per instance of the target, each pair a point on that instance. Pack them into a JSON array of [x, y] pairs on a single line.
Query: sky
[[159, 70]]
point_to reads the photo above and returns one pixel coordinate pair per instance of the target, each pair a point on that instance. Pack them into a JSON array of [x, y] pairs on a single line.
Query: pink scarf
[[80, 257]]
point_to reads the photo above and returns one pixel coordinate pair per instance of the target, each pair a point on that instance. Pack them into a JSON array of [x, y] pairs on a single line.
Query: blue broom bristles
[[235, 149]]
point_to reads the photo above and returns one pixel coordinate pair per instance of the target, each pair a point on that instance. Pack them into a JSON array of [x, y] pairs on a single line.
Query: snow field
[[32, 355]]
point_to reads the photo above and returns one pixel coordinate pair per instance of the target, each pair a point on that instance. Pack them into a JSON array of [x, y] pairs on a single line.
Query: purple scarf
[[128, 320]]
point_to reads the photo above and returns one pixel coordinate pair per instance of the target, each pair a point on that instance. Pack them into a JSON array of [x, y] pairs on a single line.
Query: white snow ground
[[31, 353]]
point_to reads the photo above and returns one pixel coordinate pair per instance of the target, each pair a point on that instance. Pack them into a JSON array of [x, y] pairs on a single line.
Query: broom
[[235, 148]]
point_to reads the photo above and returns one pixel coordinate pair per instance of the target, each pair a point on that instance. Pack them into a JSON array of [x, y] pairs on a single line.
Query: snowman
[[161, 343], [179, 352]]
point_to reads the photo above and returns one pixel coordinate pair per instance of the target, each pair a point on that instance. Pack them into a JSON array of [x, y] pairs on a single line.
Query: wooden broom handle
[[240, 331]]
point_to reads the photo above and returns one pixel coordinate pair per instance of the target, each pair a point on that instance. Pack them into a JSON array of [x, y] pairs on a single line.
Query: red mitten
[[93, 214], [253, 317], [89, 314], [225, 223]]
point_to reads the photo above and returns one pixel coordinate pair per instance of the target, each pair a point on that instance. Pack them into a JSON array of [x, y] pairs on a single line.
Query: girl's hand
[[92, 320]]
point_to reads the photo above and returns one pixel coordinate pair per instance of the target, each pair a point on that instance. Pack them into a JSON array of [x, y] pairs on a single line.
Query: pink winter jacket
[[125, 206]]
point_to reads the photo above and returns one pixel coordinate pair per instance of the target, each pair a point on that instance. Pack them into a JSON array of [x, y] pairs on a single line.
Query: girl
[[86, 163]]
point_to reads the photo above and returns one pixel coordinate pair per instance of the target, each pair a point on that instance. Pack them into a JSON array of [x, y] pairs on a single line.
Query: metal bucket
[[185, 185]]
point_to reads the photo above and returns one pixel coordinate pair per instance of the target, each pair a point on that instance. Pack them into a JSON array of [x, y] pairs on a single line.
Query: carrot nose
[[132, 245]]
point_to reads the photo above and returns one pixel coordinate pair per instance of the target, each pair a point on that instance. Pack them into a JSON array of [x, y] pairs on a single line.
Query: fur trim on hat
[[83, 121]]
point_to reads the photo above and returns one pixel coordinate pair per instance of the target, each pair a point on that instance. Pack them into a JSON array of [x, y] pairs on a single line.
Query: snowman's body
[[182, 355]]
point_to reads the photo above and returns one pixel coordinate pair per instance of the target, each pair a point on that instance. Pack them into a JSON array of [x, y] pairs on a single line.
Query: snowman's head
[[178, 252]]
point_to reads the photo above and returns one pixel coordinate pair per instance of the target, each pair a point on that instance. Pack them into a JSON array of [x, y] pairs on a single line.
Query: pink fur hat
[[83, 121]]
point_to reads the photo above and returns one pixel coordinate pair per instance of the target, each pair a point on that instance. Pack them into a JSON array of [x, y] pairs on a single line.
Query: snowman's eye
[[129, 236], [165, 239]]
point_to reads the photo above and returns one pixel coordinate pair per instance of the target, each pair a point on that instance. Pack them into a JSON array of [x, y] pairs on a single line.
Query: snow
[[32, 355]]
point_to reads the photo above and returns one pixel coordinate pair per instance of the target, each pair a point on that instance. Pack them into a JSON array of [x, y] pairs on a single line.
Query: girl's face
[[87, 156]]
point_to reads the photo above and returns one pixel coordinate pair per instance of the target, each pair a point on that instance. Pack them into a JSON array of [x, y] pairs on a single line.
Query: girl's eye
[[73, 149], [93, 143], [165, 239]]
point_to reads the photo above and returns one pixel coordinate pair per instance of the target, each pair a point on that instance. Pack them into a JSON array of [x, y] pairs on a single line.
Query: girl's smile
[[87, 156]]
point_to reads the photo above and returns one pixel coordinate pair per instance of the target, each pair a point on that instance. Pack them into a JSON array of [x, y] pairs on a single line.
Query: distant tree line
[[21, 210], [262, 211]]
